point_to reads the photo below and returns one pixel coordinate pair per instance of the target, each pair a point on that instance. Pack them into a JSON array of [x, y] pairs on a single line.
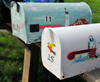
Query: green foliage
[[5, 79], [11, 59]]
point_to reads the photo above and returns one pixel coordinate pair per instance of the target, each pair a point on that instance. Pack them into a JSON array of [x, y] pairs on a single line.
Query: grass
[[12, 53], [11, 59]]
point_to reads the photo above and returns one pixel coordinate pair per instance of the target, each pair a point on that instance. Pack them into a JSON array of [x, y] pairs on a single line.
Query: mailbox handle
[[17, 7], [71, 55], [12, 3]]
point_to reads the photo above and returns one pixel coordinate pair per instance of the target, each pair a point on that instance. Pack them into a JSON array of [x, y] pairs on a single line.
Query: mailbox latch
[[34, 28]]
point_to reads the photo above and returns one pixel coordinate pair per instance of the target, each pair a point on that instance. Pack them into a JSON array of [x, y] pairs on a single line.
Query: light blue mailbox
[[29, 19]]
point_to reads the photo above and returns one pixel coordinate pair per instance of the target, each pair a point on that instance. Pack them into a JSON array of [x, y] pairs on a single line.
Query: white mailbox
[[70, 51]]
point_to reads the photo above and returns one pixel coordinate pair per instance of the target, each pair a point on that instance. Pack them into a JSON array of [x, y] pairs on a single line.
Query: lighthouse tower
[[91, 42], [66, 17]]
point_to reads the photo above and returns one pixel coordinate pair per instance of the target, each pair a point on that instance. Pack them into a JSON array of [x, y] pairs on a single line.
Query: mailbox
[[70, 51], [29, 19]]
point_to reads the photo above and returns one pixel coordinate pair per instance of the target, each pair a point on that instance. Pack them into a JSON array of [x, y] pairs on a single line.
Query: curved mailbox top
[[71, 51], [28, 18]]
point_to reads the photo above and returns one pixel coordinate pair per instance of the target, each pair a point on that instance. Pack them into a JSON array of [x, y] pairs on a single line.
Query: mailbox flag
[[49, 26]]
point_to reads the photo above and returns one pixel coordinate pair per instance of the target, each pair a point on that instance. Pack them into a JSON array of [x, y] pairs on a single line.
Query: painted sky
[[57, 12]]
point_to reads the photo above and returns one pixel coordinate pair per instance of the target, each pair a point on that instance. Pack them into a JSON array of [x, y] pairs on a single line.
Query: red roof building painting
[[79, 22]]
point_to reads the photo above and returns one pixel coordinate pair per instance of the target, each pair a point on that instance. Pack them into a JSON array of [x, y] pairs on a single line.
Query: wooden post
[[31, 64], [26, 65]]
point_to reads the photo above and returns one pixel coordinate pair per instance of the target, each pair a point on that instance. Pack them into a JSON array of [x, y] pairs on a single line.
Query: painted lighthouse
[[92, 45], [91, 42], [66, 17]]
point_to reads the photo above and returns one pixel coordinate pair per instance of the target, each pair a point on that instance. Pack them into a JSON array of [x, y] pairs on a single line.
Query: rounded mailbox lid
[[51, 51]]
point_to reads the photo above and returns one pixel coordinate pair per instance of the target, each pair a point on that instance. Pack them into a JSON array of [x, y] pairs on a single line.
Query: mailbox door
[[51, 53], [19, 22]]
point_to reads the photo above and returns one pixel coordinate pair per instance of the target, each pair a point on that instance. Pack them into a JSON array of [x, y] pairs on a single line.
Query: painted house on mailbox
[[29, 19], [79, 22]]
